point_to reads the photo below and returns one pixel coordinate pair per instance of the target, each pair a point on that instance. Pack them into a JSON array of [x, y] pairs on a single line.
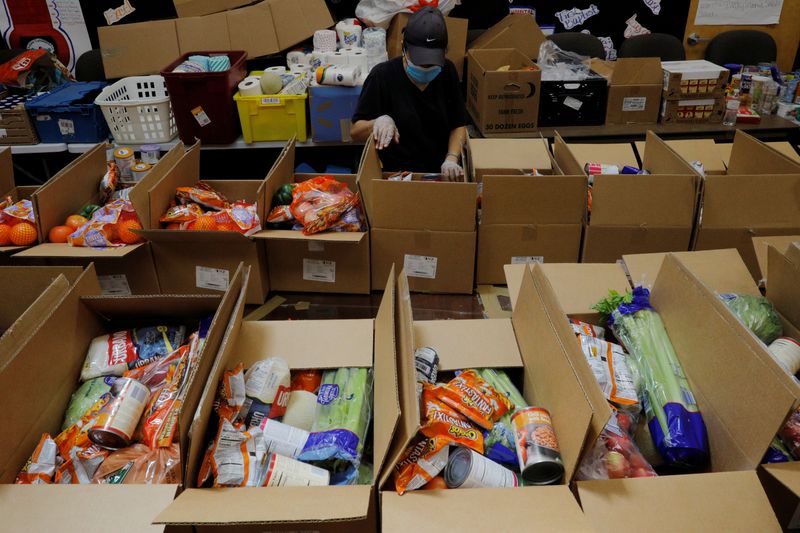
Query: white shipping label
[[270, 101], [316, 246], [114, 285], [319, 270], [634, 103], [43, 118], [212, 278], [3, 133], [66, 126], [201, 117], [420, 266], [527, 259], [573, 103]]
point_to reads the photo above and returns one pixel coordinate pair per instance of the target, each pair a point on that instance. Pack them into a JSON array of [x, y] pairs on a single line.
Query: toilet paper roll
[[301, 409], [325, 40], [277, 70], [358, 58], [336, 58], [374, 40], [316, 59], [347, 76], [349, 33], [295, 57], [250, 86]]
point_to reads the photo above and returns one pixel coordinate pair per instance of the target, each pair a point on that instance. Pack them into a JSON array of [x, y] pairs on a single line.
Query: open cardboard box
[[527, 347], [722, 366], [758, 196], [783, 147], [518, 31], [64, 337], [507, 157], [634, 90], [325, 262], [193, 8], [429, 227], [8, 188], [122, 270], [636, 213], [529, 219], [783, 243], [203, 262], [619, 154], [303, 344], [456, 39], [704, 150]]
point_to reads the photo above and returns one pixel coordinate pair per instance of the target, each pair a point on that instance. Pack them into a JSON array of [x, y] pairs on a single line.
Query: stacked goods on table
[[201, 208], [17, 222], [789, 97], [316, 205], [694, 91]]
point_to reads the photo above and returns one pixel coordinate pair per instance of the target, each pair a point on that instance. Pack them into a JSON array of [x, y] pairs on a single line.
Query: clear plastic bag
[[562, 65], [381, 12], [615, 454], [140, 464]]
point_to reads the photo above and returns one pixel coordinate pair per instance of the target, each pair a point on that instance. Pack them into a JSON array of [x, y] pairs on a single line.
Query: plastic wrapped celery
[[674, 419], [499, 442], [340, 423]]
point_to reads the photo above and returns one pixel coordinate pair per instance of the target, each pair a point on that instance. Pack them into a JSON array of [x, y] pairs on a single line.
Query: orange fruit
[[110, 231], [124, 228], [435, 484], [59, 233], [173, 225], [75, 221], [23, 234], [228, 225], [205, 223], [5, 234]]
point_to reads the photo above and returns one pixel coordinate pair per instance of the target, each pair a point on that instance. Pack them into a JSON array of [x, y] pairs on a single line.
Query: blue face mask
[[421, 75]]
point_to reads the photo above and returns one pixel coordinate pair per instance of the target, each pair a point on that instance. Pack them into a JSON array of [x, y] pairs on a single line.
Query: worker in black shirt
[[412, 105]]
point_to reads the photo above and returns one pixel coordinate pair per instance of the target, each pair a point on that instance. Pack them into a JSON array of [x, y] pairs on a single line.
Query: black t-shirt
[[424, 119]]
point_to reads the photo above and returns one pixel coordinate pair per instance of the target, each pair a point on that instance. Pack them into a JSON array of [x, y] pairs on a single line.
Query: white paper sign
[[420, 266], [66, 126], [319, 270], [215, 279], [114, 285], [574, 103], [738, 12], [526, 259], [634, 103]]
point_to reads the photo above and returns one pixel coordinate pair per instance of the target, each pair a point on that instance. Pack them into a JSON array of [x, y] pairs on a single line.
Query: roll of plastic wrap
[[338, 75], [325, 40], [358, 58], [374, 40], [219, 63], [250, 86], [295, 57], [301, 409], [349, 33]]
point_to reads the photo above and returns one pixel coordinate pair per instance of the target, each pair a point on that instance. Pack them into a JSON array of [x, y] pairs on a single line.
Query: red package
[[319, 202], [202, 194], [442, 422], [473, 397]]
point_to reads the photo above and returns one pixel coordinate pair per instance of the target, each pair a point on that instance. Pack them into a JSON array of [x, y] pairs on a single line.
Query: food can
[[426, 361], [282, 438], [117, 421], [150, 153], [786, 351], [537, 447], [593, 169], [468, 469], [286, 472], [123, 156], [140, 170]]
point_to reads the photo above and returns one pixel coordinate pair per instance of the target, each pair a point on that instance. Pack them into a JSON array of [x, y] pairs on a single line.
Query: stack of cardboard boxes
[[694, 91]]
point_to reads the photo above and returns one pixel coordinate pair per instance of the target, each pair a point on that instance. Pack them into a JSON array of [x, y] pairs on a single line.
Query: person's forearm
[[361, 130], [457, 138]]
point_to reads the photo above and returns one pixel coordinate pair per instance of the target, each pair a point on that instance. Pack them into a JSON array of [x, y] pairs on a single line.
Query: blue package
[[305, 168], [627, 169], [156, 341]]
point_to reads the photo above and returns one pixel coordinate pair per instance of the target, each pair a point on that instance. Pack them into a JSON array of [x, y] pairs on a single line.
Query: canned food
[[140, 170], [468, 469], [426, 361], [594, 169], [537, 447], [117, 421], [150, 153], [786, 351], [123, 156], [286, 472]]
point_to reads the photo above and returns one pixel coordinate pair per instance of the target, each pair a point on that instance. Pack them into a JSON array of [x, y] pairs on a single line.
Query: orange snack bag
[[230, 396], [422, 461], [473, 397], [442, 422], [41, 467], [202, 194], [182, 213]]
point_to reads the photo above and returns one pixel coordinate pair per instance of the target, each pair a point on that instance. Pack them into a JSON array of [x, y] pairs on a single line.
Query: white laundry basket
[[137, 110]]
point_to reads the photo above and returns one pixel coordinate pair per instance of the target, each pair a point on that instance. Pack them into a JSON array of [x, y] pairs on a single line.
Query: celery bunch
[[499, 441], [674, 420]]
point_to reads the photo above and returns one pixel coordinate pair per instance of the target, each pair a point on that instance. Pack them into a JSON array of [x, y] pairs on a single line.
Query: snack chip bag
[[100, 231], [443, 422], [203, 194], [423, 460], [320, 202], [182, 213], [240, 216], [230, 397], [139, 464], [609, 364], [22, 210], [108, 184], [473, 397], [238, 457], [582, 328], [280, 213], [41, 466]]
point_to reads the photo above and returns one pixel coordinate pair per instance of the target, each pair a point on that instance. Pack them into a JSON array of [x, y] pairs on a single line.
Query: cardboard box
[[507, 157], [65, 334], [634, 92], [693, 79], [324, 262], [320, 344], [331, 109], [757, 197], [9, 188], [503, 101], [514, 31], [456, 39], [619, 154], [194, 8], [782, 243], [261, 29], [429, 227], [704, 150], [526, 349], [637, 213], [66, 193], [783, 147], [203, 262], [694, 110]]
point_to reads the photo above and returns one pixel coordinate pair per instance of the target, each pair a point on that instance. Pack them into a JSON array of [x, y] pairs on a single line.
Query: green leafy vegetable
[[757, 313]]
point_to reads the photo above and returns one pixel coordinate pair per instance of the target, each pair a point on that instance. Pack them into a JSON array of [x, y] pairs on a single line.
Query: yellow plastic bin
[[272, 117]]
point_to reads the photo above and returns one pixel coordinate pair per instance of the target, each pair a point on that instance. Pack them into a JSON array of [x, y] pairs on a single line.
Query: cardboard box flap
[[724, 363], [54, 507], [649, 504], [660, 158], [139, 195], [637, 71], [721, 270], [369, 169], [533, 199], [137, 49], [281, 173], [751, 156], [786, 149], [419, 205], [22, 285], [518, 31], [761, 244], [565, 159], [509, 154], [386, 406], [183, 173], [783, 285], [752, 201], [267, 505], [50, 249], [642, 200], [549, 508], [465, 343], [330, 236], [619, 154], [787, 474], [6, 170], [252, 29], [703, 150], [793, 253], [549, 377], [199, 237]]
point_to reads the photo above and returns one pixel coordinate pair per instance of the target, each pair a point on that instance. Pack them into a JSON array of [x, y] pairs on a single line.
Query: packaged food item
[[237, 457], [499, 442], [106, 225], [446, 424], [182, 213], [117, 421], [281, 471], [230, 395], [472, 396], [609, 364], [267, 390], [468, 469], [426, 361], [140, 464], [113, 354], [108, 183], [615, 455], [319, 202], [537, 447], [283, 439], [203, 194], [590, 330], [303, 399], [41, 466], [423, 460], [85, 397], [77, 435]]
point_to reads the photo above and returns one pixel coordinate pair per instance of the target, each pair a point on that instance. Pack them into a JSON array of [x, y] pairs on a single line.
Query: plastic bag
[[473, 397], [422, 461], [109, 182], [102, 230], [445, 424], [41, 466], [22, 210], [609, 364], [790, 434], [34, 70], [113, 354], [380, 12], [85, 397], [320, 202], [757, 313], [615, 455], [237, 457], [590, 330], [561, 65], [141, 465], [230, 395], [203, 194], [182, 213]]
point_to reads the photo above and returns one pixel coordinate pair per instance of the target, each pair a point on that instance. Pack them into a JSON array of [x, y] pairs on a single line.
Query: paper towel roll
[[349, 33], [358, 58], [294, 57], [316, 59], [374, 40], [336, 58], [347, 76], [301, 409], [325, 40], [250, 86]]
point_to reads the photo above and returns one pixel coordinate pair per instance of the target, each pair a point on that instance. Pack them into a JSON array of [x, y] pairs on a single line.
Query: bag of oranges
[[18, 224], [110, 226]]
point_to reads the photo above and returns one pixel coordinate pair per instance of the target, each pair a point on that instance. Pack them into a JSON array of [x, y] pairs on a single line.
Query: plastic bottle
[[731, 110]]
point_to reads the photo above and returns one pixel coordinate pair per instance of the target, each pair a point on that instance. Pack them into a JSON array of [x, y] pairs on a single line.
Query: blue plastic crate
[[68, 114], [331, 110]]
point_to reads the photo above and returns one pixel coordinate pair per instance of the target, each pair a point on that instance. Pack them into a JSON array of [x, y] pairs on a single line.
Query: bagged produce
[[109, 227], [499, 442], [615, 454], [757, 313], [82, 399]]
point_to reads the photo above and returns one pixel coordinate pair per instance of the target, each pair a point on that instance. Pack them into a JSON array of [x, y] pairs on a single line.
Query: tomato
[[75, 221], [435, 484], [59, 233]]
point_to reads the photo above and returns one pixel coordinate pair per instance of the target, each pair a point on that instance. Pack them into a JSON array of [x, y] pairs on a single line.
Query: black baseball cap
[[425, 37]]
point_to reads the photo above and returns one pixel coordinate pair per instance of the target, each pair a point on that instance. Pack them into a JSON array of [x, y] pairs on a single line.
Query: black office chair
[[745, 47], [663, 45], [89, 67], [579, 43]]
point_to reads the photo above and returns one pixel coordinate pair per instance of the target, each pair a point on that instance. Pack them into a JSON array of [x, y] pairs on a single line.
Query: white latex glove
[[384, 131], [451, 170]]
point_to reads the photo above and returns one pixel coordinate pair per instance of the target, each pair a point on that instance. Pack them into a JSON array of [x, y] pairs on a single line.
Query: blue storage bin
[[68, 114], [331, 110]]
